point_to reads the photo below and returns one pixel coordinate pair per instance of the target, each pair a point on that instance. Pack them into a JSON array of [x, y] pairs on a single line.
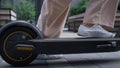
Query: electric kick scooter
[[21, 42]]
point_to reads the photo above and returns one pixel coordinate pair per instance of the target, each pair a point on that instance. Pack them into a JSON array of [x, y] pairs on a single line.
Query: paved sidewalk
[[68, 34]]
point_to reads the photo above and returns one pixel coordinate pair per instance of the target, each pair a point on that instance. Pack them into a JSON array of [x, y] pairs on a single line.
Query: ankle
[[88, 24], [107, 27]]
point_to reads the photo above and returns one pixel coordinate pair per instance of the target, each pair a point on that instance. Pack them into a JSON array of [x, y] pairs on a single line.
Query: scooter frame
[[40, 45]]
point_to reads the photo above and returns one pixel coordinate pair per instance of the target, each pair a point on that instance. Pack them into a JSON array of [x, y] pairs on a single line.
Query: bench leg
[[68, 27], [74, 27]]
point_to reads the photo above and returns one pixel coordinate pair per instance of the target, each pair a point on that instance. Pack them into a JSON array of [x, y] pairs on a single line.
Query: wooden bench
[[75, 21], [6, 15]]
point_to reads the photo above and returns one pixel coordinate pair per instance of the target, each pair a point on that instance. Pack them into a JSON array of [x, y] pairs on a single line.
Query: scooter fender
[[21, 24]]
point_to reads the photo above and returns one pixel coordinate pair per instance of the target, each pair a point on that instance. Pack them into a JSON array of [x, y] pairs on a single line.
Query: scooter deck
[[75, 40], [75, 45]]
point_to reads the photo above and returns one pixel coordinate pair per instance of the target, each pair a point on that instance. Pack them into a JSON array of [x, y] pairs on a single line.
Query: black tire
[[8, 42]]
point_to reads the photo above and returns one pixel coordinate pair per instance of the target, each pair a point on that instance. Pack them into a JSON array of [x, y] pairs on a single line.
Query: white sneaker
[[94, 31]]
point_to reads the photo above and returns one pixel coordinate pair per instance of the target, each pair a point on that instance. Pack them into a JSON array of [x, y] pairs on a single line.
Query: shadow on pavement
[[42, 63], [82, 62]]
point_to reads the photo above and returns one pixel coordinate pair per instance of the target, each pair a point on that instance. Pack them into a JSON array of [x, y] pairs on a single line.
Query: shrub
[[7, 5], [80, 8], [25, 10]]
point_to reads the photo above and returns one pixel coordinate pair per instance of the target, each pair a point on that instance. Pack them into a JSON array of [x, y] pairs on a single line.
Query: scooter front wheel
[[9, 39]]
